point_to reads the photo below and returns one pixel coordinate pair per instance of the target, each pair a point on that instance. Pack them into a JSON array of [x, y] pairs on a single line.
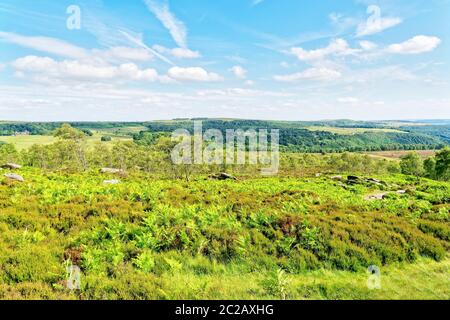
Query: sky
[[141, 60]]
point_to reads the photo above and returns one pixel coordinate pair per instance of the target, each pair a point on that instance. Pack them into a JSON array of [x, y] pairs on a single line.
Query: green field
[[23, 142]]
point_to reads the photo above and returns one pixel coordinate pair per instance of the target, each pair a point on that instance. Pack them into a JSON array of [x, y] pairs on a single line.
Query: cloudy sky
[[142, 60]]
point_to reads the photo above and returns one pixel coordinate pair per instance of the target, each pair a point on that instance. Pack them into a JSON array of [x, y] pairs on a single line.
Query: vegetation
[[170, 232]]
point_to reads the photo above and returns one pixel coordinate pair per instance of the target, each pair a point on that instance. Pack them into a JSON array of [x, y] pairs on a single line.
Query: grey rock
[[376, 196], [222, 176], [111, 182], [13, 176], [11, 166]]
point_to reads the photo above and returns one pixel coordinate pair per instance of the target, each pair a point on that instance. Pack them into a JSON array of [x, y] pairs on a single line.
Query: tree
[[411, 164], [430, 168], [443, 164], [67, 132], [106, 139], [74, 136]]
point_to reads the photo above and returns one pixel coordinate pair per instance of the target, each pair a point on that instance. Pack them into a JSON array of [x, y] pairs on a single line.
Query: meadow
[[24, 142]]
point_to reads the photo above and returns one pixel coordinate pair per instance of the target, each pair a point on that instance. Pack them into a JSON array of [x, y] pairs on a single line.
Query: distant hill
[[295, 136]]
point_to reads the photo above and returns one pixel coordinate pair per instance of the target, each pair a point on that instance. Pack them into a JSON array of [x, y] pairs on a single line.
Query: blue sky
[[269, 59]]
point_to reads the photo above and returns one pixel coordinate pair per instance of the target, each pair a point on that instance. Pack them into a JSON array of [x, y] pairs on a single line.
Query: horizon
[[161, 59], [227, 119]]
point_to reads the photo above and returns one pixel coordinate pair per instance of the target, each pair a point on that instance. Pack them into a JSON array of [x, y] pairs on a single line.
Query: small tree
[[411, 164], [106, 139], [443, 164], [430, 168]]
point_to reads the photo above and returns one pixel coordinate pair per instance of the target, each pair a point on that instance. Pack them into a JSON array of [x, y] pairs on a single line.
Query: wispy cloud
[[176, 27], [376, 23], [45, 44], [256, 2], [137, 40]]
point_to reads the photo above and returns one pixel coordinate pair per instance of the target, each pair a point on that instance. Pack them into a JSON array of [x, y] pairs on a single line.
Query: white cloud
[[67, 50], [376, 23], [319, 74], [176, 28], [418, 44], [181, 53], [338, 47], [239, 72], [73, 70], [45, 44], [368, 45], [193, 74]]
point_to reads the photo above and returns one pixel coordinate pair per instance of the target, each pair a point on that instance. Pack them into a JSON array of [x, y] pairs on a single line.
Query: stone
[[222, 176], [11, 166], [13, 176], [337, 178], [376, 196], [111, 182]]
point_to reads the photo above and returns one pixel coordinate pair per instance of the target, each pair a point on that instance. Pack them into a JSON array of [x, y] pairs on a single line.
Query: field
[[22, 142], [257, 238], [398, 154]]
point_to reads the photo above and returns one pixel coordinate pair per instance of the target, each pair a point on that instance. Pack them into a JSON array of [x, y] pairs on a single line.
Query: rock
[[376, 182], [111, 182], [376, 196], [401, 191], [110, 170], [222, 176], [318, 175], [336, 178], [11, 166], [353, 180], [13, 176]]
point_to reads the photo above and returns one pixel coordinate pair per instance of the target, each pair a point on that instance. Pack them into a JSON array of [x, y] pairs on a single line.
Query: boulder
[[376, 196], [353, 180], [11, 166], [111, 182], [401, 191], [318, 175], [222, 176], [111, 170], [13, 176], [336, 178]]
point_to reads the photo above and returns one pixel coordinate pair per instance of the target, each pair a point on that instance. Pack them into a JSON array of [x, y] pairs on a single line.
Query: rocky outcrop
[[14, 177], [11, 166], [222, 176]]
